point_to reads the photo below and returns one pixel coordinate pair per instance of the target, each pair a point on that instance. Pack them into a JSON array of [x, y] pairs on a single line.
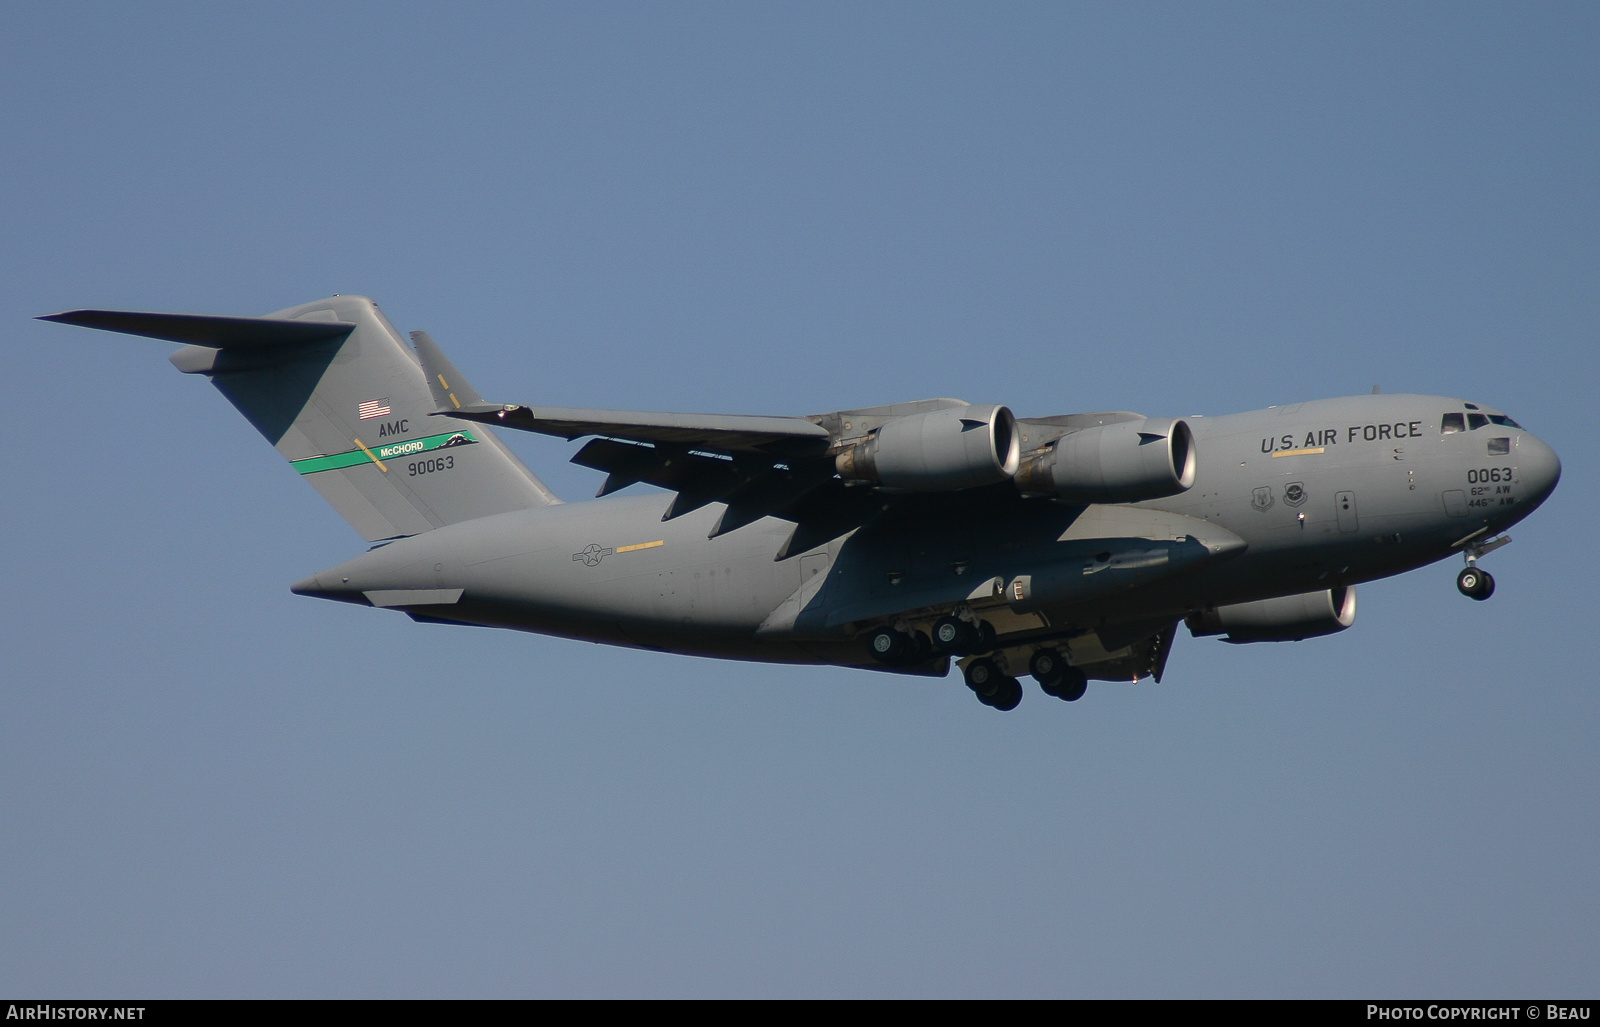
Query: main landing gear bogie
[[991, 686], [1056, 676], [899, 648], [961, 637]]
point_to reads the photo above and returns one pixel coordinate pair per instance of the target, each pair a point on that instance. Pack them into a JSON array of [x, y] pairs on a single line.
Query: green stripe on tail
[[393, 451]]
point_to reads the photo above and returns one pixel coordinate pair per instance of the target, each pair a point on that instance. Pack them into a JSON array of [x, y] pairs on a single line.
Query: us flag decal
[[373, 408]]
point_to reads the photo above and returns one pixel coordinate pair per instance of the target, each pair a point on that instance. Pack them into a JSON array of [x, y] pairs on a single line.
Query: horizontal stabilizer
[[206, 330]]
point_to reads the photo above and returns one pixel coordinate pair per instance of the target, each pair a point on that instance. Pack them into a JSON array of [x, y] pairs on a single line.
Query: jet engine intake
[[940, 451], [1284, 619], [1116, 463]]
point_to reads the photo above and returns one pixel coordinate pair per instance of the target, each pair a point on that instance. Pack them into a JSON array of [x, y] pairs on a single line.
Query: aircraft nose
[[1538, 467]]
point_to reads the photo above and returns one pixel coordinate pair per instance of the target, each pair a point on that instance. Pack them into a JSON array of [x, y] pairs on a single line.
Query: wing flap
[[771, 494], [1126, 658]]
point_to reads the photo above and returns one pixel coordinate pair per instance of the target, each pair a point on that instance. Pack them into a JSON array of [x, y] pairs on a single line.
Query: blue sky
[[209, 786]]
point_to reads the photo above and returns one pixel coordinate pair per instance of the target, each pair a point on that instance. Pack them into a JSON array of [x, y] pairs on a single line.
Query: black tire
[[983, 677], [1475, 584], [889, 646], [1008, 695], [987, 637], [1048, 667], [954, 635], [1073, 684]]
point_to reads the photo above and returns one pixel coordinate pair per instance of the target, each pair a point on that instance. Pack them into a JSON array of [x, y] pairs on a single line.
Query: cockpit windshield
[[1456, 422]]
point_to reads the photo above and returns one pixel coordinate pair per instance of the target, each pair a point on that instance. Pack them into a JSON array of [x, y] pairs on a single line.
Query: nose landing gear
[[1472, 582]]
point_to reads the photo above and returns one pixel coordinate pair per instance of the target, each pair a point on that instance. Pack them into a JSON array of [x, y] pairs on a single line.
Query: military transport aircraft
[[892, 538]]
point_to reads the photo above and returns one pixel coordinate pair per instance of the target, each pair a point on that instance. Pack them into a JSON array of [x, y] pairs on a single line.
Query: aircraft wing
[[727, 432], [759, 466]]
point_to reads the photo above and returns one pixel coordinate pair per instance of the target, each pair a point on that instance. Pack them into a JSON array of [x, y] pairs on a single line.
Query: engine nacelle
[[940, 451], [1115, 463], [1285, 619]]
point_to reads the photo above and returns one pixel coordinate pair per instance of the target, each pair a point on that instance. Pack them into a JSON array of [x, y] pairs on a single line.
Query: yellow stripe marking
[[642, 545], [442, 381], [457, 402], [1299, 452], [381, 465]]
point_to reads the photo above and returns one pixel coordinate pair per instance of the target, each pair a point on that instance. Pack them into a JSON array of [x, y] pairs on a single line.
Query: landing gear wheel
[[1475, 584], [890, 646], [1047, 667], [1073, 684], [987, 637], [1007, 696], [982, 677], [954, 635]]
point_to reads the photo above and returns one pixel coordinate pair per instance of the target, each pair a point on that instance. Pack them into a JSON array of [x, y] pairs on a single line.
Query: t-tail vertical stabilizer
[[334, 388]]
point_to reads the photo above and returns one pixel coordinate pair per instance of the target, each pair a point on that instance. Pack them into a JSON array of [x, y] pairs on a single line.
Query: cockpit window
[[1476, 421], [1453, 423], [1471, 406], [1499, 447], [1503, 421]]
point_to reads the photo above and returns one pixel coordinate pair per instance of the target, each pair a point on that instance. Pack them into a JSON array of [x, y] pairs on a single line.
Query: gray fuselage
[[1323, 493]]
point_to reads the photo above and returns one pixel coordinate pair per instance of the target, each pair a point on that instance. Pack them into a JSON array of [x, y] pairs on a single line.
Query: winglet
[[451, 392]]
